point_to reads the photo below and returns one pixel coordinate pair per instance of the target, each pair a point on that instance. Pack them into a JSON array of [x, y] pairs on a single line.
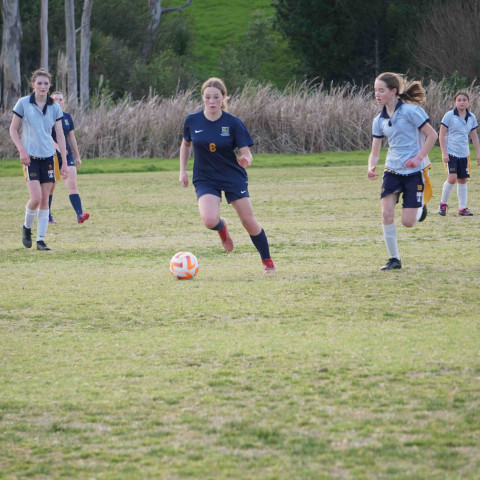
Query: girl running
[[410, 138], [214, 135], [38, 114], [456, 125], [71, 181]]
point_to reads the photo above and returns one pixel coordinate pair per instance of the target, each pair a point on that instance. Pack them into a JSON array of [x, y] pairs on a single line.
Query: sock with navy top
[[261, 243], [76, 203], [219, 226]]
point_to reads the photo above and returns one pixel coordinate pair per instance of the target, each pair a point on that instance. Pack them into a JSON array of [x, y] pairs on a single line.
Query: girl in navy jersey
[[457, 125], [73, 164], [410, 138], [38, 114], [214, 135]]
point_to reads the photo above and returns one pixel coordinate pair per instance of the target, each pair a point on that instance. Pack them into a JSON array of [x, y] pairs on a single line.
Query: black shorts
[[411, 186], [230, 196], [41, 169], [459, 166]]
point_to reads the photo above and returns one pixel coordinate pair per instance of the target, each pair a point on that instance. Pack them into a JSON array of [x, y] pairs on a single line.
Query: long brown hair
[[408, 91]]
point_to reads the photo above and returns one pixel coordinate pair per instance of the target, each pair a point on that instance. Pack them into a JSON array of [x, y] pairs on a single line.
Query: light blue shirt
[[457, 133], [403, 134], [37, 125]]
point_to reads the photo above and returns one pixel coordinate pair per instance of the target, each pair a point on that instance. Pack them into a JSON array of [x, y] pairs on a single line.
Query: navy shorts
[[41, 169], [411, 186], [459, 166], [230, 196], [70, 160]]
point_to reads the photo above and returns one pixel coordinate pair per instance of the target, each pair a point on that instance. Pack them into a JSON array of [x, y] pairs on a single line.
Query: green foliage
[[341, 41], [454, 83]]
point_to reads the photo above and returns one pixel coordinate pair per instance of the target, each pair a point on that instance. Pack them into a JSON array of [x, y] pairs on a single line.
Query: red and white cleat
[[225, 237], [268, 266]]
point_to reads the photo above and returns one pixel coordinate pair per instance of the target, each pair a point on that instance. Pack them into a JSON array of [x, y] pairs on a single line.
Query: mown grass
[[111, 369]]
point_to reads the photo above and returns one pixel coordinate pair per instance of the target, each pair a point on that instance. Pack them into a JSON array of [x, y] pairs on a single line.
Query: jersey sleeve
[[446, 119], [58, 112], [419, 117], [474, 122], [18, 109], [242, 136], [377, 131], [70, 119], [186, 130]]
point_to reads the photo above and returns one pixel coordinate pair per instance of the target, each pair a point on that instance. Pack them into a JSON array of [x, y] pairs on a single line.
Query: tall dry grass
[[301, 119]]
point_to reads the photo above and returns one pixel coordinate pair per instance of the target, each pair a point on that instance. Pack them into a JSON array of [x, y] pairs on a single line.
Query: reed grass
[[300, 119]]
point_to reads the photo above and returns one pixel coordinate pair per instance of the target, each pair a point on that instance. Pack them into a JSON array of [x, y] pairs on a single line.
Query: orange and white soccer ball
[[184, 265]]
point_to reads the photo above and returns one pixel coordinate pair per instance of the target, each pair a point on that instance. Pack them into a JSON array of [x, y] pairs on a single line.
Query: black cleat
[[442, 209], [423, 216], [41, 245], [27, 237], [393, 263]]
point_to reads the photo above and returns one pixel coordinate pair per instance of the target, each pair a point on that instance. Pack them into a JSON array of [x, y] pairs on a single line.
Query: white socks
[[462, 192], [447, 190], [29, 217], [42, 224], [390, 236]]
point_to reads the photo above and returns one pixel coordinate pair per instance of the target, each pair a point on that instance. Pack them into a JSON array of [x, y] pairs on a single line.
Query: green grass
[[330, 369], [217, 23]]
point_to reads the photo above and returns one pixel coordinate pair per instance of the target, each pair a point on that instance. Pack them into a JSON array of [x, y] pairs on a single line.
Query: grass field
[[329, 369]]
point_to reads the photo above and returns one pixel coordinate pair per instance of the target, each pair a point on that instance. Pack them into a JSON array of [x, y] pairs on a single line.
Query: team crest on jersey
[[225, 131], [66, 122]]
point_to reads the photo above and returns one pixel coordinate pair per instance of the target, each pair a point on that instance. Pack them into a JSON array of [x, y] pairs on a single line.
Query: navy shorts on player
[[459, 166], [41, 169], [411, 186], [206, 188]]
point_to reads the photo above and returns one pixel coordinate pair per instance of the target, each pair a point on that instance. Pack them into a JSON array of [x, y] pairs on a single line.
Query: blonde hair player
[[215, 135], [38, 114], [410, 138], [456, 126]]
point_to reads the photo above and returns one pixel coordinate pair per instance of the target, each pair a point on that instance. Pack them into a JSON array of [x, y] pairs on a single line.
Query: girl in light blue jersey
[[457, 125], [410, 137], [37, 114], [214, 136]]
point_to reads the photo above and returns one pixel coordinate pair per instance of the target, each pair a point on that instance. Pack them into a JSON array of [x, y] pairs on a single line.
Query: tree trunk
[[71, 54], [155, 10], [44, 34], [11, 43], [85, 37]]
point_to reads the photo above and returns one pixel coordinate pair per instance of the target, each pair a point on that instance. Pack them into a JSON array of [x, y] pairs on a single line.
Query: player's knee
[[210, 221], [409, 223]]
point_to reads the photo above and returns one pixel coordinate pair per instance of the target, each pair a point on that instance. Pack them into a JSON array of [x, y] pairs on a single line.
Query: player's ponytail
[[410, 92], [217, 83]]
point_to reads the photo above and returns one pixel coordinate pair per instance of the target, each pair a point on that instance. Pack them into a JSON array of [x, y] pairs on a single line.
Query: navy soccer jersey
[[214, 144], [68, 126]]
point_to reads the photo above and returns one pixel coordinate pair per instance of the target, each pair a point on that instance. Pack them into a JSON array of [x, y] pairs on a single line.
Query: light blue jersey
[[458, 130], [37, 125], [403, 134]]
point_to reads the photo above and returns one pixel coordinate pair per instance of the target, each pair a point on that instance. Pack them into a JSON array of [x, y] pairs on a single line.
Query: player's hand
[[244, 162], [78, 162], [478, 159], [445, 158], [64, 170], [371, 173], [25, 158], [183, 179], [412, 162]]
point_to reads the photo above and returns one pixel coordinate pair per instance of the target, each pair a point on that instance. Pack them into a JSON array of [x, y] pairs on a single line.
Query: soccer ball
[[184, 265]]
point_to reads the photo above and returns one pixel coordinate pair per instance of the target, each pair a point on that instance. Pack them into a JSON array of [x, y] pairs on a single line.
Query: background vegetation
[[275, 42], [300, 119]]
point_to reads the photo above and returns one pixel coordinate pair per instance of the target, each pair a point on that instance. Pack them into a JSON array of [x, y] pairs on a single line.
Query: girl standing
[[38, 114], [410, 138], [456, 125], [214, 136], [71, 181]]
